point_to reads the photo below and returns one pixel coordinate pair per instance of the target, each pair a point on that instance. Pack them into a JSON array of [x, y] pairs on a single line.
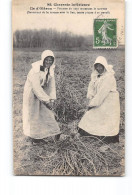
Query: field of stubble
[[74, 156]]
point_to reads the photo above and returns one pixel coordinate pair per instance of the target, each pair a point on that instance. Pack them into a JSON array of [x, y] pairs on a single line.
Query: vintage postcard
[[68, 87]]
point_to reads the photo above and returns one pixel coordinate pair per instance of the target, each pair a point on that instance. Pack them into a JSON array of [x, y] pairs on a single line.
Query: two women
[[103, 115]]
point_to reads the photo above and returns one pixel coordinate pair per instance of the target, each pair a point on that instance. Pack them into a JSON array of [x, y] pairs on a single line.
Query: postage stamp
[[105, 33]]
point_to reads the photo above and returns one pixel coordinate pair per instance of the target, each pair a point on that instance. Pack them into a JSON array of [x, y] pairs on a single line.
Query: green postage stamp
[[105, 33]]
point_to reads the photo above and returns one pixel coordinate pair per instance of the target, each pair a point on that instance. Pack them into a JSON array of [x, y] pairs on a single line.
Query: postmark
[[105, 33]]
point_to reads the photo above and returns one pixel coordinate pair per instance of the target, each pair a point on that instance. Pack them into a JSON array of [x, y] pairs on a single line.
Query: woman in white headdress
[[39, 93], [103, 115]]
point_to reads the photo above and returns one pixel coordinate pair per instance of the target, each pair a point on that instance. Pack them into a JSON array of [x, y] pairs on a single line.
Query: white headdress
[[36, 65], [101, 60]]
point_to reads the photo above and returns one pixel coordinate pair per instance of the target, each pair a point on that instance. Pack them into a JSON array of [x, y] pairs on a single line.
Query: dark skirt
[[106, 139]]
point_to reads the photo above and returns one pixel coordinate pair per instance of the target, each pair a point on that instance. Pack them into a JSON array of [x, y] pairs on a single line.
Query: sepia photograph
[[68, 88]]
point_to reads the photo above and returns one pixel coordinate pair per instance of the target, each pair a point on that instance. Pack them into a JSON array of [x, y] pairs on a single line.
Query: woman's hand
[[89, 108], [87, 103], [50, 104], [52, 100]]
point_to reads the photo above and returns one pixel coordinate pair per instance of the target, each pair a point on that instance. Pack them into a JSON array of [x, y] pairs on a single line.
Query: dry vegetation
[[74, 156]]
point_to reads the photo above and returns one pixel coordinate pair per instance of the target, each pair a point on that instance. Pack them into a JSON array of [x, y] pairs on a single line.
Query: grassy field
[[74, 156]]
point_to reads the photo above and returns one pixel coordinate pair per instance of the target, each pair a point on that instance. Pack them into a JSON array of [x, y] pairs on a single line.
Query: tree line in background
[[50, 39]]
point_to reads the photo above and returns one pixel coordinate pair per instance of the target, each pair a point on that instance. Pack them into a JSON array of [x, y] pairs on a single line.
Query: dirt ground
[[74, 156]]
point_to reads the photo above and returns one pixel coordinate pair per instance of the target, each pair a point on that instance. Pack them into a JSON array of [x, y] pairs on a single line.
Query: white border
[[15, 185]]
